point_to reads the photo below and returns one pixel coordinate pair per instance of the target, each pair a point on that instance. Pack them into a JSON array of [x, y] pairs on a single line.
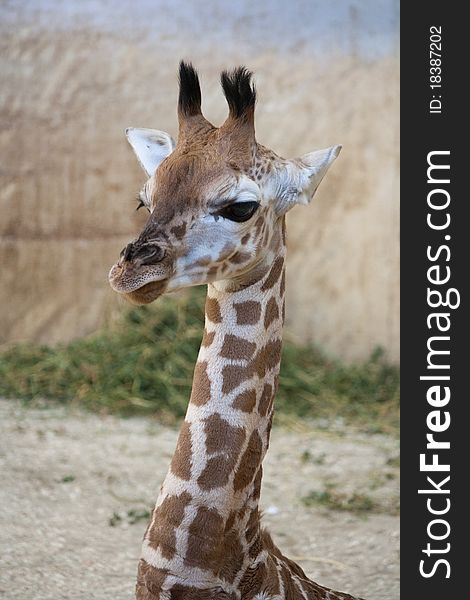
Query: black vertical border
[[422, 132]]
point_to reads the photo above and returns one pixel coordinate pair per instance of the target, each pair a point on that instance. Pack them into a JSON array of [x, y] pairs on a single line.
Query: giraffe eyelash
[[141, 203]]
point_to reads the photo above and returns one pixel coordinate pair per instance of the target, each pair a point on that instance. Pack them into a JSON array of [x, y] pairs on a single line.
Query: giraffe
[[217, 201]]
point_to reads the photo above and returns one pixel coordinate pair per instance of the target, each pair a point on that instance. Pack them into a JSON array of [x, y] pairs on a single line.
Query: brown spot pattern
[[245, 238], [189, 592], [245, 401], [233, 376], [294, 567], [255, 547], [268, 357], [235, 347], [272, 312], [204, 261], [241, 513], [248, 313], [223, 437], [290, 589], [265, 399], [258, 274], [201, 391], [233, 557], [204, 537], [213, 310], [249, 463], [215, 473], [207, 338], [231, 520], [282, 286], [257, 484], [283, 231], [268, 428], [252, 582], [272, 578], [181, 462], [167, 517], [149, 580], [226, 441], [317, 592], [179, 230], [252, 526], [274, 274]]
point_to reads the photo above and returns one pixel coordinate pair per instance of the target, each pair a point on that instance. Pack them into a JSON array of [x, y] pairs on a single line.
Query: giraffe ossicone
[[217, 201]]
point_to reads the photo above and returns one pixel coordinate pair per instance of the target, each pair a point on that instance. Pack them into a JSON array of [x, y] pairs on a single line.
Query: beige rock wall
[[68, 178]]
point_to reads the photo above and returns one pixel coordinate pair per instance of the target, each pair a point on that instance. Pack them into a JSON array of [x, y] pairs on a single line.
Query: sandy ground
[[66, 474]]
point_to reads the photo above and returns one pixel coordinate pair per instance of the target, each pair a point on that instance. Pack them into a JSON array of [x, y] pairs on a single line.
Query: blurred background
[[73, 76]]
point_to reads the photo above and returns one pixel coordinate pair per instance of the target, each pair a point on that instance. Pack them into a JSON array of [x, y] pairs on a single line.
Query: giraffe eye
[[240, 211]]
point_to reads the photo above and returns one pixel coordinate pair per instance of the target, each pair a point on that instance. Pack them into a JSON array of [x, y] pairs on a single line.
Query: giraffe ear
[[300, 177], [150, 146]]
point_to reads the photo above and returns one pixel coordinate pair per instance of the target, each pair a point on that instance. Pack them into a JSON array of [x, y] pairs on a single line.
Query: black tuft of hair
[[239, 91], [189, 100]]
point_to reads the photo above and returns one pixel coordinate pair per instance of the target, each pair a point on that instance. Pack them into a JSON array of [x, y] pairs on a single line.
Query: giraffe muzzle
[[143, 271]]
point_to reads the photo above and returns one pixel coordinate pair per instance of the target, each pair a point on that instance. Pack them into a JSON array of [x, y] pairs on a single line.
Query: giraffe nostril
[[151, 254], [146, 254], [127, 251]]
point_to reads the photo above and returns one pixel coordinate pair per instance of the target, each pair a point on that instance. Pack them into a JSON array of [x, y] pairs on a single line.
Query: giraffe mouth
[[147, 293], [137, 288]]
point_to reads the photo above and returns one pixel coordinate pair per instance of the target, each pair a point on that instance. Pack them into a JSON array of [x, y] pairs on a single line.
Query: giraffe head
[[216, 198]]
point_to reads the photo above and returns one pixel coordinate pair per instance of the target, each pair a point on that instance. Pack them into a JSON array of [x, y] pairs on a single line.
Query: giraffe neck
[[208, 504]]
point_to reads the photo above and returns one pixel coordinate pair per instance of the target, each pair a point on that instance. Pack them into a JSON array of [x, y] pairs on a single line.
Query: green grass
[[143, 364], [357, 502], [330, 498], [132, 516]]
